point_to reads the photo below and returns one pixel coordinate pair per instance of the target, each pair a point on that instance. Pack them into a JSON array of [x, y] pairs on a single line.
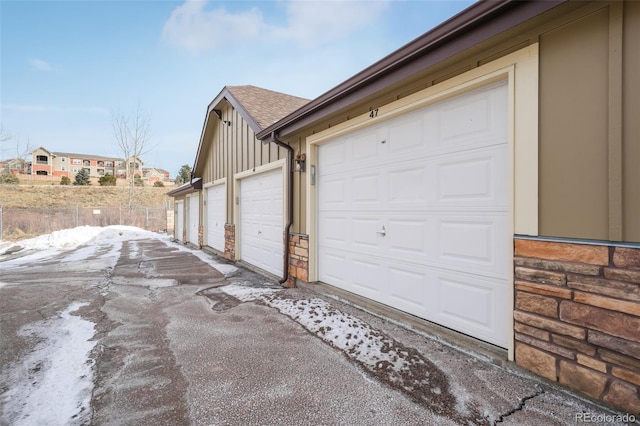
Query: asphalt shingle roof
[[265, 106]]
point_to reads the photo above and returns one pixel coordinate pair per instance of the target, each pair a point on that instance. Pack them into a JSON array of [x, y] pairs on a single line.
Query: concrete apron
[[174, 348]]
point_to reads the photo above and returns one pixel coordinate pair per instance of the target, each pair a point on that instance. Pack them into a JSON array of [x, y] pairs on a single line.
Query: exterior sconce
[[299, 161], [227, 122]]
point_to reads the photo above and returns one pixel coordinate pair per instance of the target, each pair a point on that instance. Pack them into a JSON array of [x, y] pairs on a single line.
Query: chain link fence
[[19, 223]]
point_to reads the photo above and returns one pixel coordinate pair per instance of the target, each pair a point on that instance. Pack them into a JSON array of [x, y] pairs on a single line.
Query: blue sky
[[66, 66]]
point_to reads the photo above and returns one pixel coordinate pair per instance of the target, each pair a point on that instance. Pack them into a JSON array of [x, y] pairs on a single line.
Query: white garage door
[[261, 221], [216, 209], [179, 222], [413, 213], [194, 215]]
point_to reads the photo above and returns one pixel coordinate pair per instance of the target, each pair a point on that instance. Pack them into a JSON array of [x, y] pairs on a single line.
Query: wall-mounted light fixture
[[227, 122], [299, 161]]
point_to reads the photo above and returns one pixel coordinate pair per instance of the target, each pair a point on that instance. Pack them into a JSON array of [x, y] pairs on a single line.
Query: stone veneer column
[[229, 241], [298, 259], [577, 317]]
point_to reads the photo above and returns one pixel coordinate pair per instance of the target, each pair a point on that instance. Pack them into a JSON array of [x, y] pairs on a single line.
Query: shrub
[[64, 180], [82, 178], [9, 179], [107, 180], [137, 181], [158, 184]]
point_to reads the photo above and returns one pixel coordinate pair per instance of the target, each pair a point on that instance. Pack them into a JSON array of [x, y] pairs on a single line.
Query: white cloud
[[311, 23], [308, 23], [40, 65], [196, 29]]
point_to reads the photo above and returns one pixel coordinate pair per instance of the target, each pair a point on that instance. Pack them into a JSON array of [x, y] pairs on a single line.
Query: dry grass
[[44, 196], [32, 210]]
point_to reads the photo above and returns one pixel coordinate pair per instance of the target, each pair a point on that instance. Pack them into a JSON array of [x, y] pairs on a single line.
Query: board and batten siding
[[589, 130], [234, 148]]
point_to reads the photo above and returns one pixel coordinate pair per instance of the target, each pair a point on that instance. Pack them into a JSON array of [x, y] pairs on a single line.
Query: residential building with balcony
[[49, 163]]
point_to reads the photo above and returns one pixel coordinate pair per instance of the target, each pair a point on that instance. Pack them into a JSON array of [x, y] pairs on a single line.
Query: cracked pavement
[[176, 342]]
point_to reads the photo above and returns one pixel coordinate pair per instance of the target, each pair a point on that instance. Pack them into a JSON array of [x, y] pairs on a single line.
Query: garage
[[179, 221], [194, 214], [413, 212], [216, 207], [261, 220]]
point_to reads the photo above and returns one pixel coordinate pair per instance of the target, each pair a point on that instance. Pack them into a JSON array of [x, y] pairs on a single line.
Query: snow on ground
[[342, 330], [52, 385], [53, 244], [379, 354]]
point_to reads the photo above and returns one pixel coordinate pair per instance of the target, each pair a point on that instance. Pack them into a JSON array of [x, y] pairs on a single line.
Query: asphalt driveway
[[131, 329]]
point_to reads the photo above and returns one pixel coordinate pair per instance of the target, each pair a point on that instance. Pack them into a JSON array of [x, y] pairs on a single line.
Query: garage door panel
[[406, 137], [473, 179], [365, 147], [408, 289], [335, 266], [261, 220], [462, 301], [407, 184], [364, 232], [477, 242], [408, 236], [420, 222], [367, 275], [334, 229], [473, 306], [333, 156], [180, 220], [476, 119], [332, 192], [365, 188], [216, 212], [193, 222]]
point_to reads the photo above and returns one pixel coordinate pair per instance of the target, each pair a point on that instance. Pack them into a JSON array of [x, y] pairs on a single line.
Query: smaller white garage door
[[179, 220], [261, 221], [193, 219], [216, 208]]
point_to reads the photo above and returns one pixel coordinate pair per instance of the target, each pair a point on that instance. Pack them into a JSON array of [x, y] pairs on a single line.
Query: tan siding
[[574, 128], [631, 123]]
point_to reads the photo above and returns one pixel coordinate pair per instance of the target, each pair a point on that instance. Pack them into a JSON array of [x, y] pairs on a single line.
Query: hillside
[[39, 196]]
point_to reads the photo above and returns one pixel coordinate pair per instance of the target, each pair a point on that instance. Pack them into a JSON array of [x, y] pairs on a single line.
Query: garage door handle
[[383, 232]]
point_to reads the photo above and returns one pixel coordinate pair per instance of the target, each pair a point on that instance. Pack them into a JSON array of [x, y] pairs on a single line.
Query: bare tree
[[17, 152], [132, 136], [4, 137]]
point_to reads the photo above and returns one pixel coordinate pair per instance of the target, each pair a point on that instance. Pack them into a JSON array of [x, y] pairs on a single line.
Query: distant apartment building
[[48, 163], [153, 175], [15, 166]]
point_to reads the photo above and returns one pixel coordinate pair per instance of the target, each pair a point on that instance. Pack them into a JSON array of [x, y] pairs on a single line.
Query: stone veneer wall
[[229, 241], [577, 317], [298, 259]]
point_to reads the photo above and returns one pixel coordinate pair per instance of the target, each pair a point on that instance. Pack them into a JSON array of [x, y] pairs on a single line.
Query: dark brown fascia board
[[186, 188], [478, 23], [224, 94]]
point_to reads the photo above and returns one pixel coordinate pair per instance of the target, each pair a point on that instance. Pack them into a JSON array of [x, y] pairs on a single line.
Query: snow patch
[[53, 384]]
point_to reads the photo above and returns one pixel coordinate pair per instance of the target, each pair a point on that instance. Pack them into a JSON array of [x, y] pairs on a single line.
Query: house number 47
[[373, 113]]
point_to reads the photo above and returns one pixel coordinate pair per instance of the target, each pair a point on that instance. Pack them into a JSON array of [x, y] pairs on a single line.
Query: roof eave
[[224, 94], [451, 37]]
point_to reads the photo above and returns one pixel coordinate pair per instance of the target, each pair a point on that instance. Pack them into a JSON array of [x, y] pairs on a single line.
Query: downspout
[[285, 257]]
